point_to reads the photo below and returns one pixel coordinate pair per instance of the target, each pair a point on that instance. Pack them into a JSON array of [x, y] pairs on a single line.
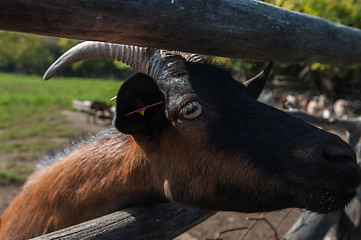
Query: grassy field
[[30, 113]]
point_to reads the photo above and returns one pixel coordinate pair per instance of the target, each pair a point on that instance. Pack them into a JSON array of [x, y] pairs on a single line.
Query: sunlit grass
[[32, 145], [14, 174], [29, 106], [32, 90], [31, 119], [7, 177], [30, 109]]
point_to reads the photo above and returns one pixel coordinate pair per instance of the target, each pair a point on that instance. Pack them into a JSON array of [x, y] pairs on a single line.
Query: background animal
[[98, 109], [319, 106], [185, 132], [342, 108]]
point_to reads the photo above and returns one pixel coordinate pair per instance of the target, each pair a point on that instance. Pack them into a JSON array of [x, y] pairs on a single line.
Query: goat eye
[[192, 110]]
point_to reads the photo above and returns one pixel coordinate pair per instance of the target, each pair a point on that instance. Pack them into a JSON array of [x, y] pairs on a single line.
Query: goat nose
[[336, 155], [337, 151]]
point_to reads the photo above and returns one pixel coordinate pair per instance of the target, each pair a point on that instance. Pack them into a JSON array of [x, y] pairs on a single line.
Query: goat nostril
[[339, 155]]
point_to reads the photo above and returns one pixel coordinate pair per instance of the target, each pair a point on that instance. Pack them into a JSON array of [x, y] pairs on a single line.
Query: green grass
[[14, 174], [31, 145], [30, 115], [7, 177], [29, 106], [22, 90]]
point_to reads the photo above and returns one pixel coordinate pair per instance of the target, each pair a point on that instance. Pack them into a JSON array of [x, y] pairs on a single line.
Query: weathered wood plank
[[349, 227], [245, 29], [312, 226], [161, 221]]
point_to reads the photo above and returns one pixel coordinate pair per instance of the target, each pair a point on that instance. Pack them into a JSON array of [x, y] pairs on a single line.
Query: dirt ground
[[209, 229], [9, 191]]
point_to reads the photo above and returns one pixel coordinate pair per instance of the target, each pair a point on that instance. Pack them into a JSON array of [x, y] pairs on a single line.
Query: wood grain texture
[[245, 29], [161, 221], [312, 226]]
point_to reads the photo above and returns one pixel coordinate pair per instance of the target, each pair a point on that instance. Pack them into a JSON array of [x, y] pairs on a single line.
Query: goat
[[297, 100], [342, 108], [99, 106], [188, 133], [319, 106]]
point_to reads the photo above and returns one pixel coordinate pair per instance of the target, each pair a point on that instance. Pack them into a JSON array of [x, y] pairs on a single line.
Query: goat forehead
[[180, 87], [208, 82]]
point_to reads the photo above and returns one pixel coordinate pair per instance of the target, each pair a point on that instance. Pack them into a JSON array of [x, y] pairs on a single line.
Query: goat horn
[[257, 83], [146, 60], [264, 72]]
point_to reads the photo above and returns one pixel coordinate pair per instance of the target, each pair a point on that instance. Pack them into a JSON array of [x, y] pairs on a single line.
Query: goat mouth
[[321, 200], [324, 194]]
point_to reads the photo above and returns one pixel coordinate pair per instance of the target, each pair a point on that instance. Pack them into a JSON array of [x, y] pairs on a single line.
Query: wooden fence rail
[[161, 221], [244, 29]]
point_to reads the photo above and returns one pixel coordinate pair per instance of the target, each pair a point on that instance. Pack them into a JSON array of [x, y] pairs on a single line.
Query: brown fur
[[116, 174], [103, 176]]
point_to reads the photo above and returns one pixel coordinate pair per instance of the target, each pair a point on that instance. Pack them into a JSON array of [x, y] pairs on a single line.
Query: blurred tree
[[347, 12], [335, 82], [27, 53]]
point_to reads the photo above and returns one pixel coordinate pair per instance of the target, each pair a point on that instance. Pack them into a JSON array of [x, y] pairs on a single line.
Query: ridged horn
[[146, 60]]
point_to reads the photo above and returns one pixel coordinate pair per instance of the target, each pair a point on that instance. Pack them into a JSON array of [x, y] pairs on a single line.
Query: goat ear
[[256, 84], [140, 107]]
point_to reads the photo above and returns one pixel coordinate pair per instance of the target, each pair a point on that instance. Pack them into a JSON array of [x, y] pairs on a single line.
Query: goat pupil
[[192, 109]]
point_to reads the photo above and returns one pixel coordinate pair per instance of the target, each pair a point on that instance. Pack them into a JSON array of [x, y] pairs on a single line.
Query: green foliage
[[347, 12], [27, 53]]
